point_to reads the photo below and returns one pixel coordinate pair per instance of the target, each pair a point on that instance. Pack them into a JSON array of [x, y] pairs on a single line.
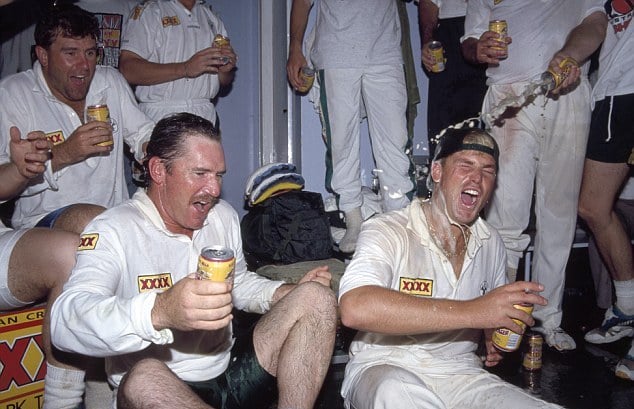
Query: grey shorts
[[8, 239]]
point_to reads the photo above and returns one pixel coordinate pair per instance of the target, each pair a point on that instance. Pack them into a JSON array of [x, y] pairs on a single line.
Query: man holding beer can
[[456, 92], [85, 171], [178, 55], [543, 141], [424, 283], [137, 277]]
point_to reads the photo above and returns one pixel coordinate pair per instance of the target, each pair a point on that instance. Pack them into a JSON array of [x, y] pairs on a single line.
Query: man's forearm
[[427, 20], [139, 71], [299, 20], [226, 78], [584, 39], [13, 183]]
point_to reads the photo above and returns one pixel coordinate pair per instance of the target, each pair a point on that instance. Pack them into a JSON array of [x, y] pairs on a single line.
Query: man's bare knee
[[135, 382], [318, 298]]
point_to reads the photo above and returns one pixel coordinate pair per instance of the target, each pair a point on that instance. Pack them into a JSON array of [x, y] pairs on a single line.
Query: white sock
[[625, 296], [353, 227], [63, 388]]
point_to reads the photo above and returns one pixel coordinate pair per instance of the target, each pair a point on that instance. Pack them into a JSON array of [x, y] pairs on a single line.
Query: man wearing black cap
[[423, 284]]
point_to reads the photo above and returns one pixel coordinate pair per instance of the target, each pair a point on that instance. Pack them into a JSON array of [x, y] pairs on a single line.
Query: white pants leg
[[385, 98], [544, 145], [340, 97], [484, 391], [391, 387]]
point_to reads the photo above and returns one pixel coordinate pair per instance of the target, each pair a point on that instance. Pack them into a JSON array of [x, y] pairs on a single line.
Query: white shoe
[[557, 338], [616, 325], [625, 368]]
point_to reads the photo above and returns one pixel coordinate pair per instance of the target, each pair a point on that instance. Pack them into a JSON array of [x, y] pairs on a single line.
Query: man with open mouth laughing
[[85, 171], [168, 336], [422, 286]]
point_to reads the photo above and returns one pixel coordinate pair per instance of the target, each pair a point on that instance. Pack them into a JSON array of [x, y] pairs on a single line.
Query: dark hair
[[168, 137], [66, 21]]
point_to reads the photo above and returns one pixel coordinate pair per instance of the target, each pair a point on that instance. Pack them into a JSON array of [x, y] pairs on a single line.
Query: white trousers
[[542, 147], [392, 387], [380, 91]]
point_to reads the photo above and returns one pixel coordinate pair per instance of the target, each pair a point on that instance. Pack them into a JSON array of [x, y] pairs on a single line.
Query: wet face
[[465, 181], [185, 195], [69, 67]]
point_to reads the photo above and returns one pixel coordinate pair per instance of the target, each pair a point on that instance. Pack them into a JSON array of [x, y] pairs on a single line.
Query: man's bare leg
[[294, 342], [601, 184], [161, 389], [39, 275], [76, 217]]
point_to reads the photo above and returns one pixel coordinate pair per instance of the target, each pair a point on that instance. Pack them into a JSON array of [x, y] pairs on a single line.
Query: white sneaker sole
[[596, 336]]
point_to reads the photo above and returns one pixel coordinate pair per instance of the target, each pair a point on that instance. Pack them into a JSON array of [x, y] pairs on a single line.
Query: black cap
[[467, 135]]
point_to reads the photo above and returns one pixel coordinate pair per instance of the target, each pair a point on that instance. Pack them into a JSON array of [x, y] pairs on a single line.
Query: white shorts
[[8, 239]]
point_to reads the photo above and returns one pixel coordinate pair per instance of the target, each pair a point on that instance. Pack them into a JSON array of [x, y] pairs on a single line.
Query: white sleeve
[[88, 317], [476, 19], [373, 261], [139, 36]]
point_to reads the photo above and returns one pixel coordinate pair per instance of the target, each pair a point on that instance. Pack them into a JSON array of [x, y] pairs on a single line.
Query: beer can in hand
[[101, 113], [506, 340], [501, 28], [216, 263], [438, 54], [220, 40], [307, 75]]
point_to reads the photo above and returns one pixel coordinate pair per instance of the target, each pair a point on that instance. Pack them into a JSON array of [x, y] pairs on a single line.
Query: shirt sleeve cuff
[[142, 308], [50, 176]]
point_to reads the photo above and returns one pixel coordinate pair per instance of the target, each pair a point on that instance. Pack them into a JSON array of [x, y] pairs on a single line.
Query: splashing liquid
[[542, 85]]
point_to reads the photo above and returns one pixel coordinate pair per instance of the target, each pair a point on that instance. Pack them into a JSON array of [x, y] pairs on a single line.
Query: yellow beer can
[[502, 29], [438, 54], [506, 340], [216, 263], [101, 113]]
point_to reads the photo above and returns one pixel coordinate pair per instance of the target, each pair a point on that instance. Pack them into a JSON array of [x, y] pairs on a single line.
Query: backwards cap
[[466, 135]]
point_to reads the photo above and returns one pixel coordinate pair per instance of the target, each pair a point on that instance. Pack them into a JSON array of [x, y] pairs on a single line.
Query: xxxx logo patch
[[416, 286], [138, 10], [88, 241], [56, 137], [170, 21], [154, 282]]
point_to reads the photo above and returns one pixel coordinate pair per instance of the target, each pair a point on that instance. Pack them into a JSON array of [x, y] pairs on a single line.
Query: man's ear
[[436, 171], [42, 55], [157, 169]]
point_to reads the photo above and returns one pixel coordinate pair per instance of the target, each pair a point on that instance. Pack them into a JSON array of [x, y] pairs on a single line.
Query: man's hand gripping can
[[506, 340]]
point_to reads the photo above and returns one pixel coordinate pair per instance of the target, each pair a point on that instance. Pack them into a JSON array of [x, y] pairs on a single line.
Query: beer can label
[[99, 113], [532, 360], [438, 54], [501, 28], [566, 65], [506, 340], [307, 75], [216, 263]]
